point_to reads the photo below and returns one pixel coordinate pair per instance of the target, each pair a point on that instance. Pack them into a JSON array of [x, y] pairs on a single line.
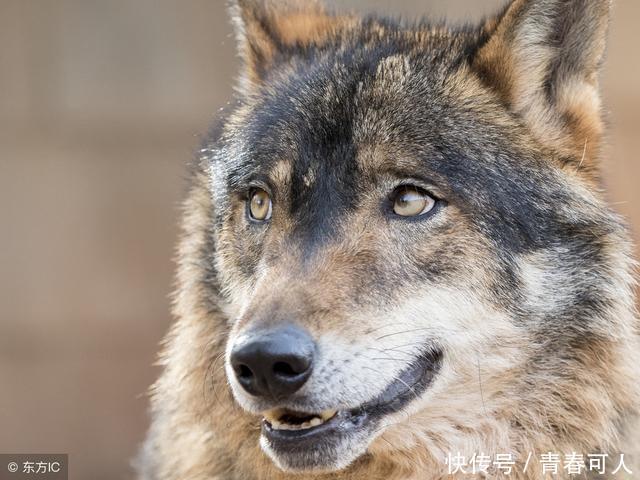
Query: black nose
[[275, 362]]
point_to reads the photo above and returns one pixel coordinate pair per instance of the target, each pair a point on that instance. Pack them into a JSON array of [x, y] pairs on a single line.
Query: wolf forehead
[[334, 118], [328, 102]]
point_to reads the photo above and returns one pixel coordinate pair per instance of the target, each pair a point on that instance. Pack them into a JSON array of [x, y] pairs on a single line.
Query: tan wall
[[101, 105]]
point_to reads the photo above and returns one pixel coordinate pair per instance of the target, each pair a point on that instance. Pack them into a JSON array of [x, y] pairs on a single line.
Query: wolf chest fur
[[396, 248]]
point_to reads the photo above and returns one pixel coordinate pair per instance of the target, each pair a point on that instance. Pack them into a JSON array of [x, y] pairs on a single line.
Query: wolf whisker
[[410, 387], [382, 327], [403, 332], [387, 358], [484, 407]]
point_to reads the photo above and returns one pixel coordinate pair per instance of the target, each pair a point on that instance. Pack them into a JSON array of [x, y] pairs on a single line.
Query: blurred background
[[102, 103]]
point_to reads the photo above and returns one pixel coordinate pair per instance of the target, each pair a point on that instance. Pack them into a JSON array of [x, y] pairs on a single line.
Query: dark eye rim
[[393, 195], [247, 204]]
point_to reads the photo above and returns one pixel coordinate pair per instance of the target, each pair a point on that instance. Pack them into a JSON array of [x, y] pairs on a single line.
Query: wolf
[[397, 253]]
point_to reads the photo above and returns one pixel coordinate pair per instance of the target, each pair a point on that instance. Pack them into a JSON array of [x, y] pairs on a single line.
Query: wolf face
[[398, 244]]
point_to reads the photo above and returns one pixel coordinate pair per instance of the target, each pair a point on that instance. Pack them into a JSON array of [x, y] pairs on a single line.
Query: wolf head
[[400, 242]]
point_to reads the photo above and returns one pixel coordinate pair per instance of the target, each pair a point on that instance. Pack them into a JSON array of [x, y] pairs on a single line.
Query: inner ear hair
[[272, 30], [542, 57]]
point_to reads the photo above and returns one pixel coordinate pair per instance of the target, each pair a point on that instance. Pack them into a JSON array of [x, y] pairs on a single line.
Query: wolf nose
[[273, 362]]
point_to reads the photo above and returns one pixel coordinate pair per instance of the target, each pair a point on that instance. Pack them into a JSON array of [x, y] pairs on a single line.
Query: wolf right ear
[[271, 30], [543, 59]]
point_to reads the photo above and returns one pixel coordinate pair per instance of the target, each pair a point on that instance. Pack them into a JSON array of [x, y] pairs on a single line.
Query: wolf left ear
[[269, 31], [543, 58]]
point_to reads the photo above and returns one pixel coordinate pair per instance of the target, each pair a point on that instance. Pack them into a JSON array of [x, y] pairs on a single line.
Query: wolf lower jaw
[[333, 439]]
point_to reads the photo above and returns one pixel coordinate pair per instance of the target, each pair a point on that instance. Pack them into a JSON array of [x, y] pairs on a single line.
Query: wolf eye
[[410, 201], [259, 205]]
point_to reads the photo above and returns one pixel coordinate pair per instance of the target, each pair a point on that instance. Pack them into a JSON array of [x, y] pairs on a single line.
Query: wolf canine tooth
[[315, 422], [328, 414]]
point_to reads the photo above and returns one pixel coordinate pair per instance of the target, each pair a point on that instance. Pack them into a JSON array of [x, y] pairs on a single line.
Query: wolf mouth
[[290, 433], [284, 419]]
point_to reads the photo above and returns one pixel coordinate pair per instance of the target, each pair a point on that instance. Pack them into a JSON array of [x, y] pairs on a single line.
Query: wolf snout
[[275, 362]]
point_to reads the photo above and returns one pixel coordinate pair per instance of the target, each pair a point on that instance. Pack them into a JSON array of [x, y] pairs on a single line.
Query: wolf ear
[[270, 30], [543, 58]]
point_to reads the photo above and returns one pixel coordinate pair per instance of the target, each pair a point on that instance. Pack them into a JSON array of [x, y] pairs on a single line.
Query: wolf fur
[[523, 277]]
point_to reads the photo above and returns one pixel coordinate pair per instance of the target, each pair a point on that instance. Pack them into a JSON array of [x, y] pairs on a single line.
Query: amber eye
[[260, 205], [410, 201]]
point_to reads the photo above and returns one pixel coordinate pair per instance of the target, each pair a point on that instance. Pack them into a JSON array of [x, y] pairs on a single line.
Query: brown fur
[[520, 374], [563, 111], [264, 27]]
